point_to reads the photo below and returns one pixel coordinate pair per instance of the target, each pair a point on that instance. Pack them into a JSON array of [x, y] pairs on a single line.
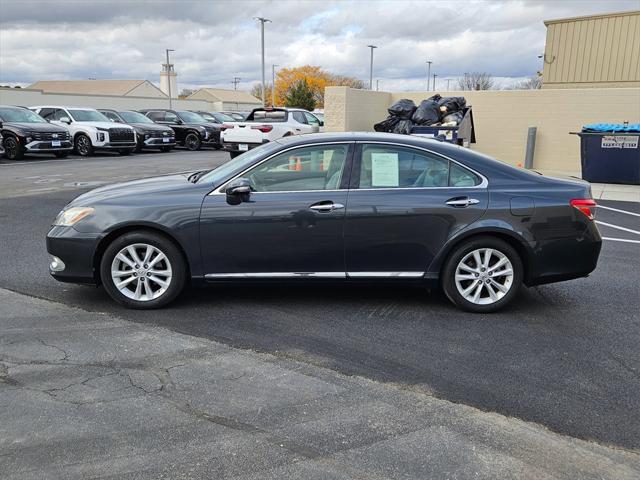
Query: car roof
[[66, 107]]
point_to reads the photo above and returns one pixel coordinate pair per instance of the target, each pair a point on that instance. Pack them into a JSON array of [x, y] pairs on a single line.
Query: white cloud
[[216, 41]]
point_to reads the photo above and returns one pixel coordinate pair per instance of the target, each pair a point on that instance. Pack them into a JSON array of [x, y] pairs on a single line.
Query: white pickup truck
[[264, 125]]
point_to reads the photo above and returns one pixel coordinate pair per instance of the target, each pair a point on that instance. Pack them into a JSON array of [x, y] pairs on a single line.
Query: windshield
[[88, 116], [190, 117], [135, 117], [223, 117], [219, 174], [20, 115]]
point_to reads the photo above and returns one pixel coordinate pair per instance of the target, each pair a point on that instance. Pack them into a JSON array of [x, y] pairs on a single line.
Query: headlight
[[68, 218]]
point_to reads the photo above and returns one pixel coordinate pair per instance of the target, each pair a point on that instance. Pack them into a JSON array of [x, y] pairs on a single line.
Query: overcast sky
[[215, 41]]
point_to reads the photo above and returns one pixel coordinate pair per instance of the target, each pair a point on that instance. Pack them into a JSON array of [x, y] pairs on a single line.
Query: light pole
[[434, 82], [169, 75], [377, 84], [262, 22], [273, 84], [371, 67], [429, 62], [448, 80]]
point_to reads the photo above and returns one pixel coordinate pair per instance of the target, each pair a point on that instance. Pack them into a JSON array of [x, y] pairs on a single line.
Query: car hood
[[146, 186], [106, 125], [36, 127], [148, 127]]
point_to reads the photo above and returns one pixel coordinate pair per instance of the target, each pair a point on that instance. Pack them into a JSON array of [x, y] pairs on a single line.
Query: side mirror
[[240, 186], [66, 120], [179, 122], [321, 123]]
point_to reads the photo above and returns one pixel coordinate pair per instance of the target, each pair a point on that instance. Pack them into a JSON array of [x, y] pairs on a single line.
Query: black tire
[[125, 151], [448, 279], [12, 148], [139, 145], [162, 243], [82, 145], [234, 154], [193, 142], [166, 149], [61, 154]]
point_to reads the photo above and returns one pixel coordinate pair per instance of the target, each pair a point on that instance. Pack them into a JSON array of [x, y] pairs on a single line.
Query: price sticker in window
[[384, 170]]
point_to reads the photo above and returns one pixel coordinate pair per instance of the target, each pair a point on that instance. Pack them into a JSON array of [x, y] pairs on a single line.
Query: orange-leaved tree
[[316, 79]]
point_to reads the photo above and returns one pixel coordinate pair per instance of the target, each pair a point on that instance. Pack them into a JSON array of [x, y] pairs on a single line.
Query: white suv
[[90, 129]]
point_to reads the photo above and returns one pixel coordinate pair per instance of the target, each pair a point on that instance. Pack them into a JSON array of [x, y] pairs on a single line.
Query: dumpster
[[462, 134], [609, 153]]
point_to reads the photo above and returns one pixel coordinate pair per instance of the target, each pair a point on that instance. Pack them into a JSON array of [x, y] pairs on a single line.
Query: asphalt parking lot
[[563, 358]]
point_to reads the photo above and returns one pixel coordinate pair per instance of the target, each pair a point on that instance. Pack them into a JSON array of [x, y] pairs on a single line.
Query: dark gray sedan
[[351, 206]]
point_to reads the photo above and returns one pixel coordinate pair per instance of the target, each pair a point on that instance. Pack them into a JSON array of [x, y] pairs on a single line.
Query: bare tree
[[256, 91], [476, 81], [532, 83]]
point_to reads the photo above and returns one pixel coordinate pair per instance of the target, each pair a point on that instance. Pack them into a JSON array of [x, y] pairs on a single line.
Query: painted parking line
[[618, 210], [620, 240], [624, 229]]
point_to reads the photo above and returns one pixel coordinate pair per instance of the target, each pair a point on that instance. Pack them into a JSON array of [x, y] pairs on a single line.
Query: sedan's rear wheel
[[482, 275], [143, 270]]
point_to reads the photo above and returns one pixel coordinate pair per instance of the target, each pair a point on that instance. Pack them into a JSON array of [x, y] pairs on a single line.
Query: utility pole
[[262, 21], [434, 82], [371, 67], [448, 80], [273, 84], [236, 81], [377, 84], [429, 62], [169, 75]]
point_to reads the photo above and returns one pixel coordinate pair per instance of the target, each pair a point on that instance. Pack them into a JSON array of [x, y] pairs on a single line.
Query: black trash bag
[[387, 125], [404, 127], [403, 109], [453, 117], [428, 112], [452, 104]]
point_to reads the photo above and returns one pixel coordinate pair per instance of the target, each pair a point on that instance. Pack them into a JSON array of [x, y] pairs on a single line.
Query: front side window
[[318, 167], [311, 119], [190, 117], [299, 117], [390, 166]]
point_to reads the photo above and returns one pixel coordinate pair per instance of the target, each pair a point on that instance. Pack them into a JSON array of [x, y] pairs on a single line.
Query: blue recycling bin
[[609, 153]]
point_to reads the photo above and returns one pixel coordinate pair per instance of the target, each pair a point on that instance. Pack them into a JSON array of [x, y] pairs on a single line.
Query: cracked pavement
[[87, 395]]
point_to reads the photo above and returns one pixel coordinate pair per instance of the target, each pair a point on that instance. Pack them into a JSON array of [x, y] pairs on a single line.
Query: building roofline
[[591, 17]]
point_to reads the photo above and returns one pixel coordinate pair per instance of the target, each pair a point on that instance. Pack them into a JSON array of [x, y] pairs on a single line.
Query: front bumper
[[158, 142], [115, 146], [75, 252], [47, 146]]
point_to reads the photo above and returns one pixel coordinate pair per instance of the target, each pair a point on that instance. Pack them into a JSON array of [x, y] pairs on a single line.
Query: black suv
[[24, 131], [148, 133], [192, 131]]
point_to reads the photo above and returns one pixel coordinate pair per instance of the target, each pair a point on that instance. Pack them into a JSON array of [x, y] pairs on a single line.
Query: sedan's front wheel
[[143, 270], [482, 275]]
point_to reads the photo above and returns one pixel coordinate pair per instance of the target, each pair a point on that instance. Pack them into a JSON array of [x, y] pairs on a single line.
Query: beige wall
[[593, 52], [502, 118], [28, 98]]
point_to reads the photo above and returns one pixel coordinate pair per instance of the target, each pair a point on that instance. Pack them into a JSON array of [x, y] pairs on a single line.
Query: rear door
[[404, 203]]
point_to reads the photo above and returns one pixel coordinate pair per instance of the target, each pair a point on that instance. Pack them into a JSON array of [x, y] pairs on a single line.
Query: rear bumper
[[76, 251], [564, 258], [235, 146]]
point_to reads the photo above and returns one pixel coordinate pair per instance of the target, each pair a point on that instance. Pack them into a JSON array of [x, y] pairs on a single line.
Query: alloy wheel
[[83, 146], [141, 272], [11, 148], [192, 141], [484, 276]]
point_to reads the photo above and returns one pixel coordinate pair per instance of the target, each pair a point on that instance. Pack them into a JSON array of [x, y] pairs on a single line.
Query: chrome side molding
[[259, 275]]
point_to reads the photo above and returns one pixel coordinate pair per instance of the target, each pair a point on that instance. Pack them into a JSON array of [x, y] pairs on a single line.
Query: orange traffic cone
[[298, 164]]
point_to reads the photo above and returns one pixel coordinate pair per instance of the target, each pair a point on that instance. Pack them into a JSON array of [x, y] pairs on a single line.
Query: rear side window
[[299, 117], [390, 166]]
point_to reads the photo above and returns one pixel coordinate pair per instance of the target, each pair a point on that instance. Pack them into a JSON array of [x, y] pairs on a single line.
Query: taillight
[[225, 126], [263, 128], [586, 206]]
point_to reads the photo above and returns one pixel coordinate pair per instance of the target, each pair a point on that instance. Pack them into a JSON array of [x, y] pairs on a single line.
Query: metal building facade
[[599, 51]]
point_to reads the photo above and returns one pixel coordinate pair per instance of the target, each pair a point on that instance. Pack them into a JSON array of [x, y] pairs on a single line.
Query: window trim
[[358, 160], [347, 168]]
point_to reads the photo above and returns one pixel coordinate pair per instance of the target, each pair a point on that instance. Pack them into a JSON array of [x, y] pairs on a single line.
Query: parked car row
[[59, 130]]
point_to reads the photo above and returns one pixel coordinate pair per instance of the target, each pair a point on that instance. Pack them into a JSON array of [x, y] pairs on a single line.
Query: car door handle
[[461, 202], [326, 207]]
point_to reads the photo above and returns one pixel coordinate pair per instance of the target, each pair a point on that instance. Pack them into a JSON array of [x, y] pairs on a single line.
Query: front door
[[290, 225], [404, 205]]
